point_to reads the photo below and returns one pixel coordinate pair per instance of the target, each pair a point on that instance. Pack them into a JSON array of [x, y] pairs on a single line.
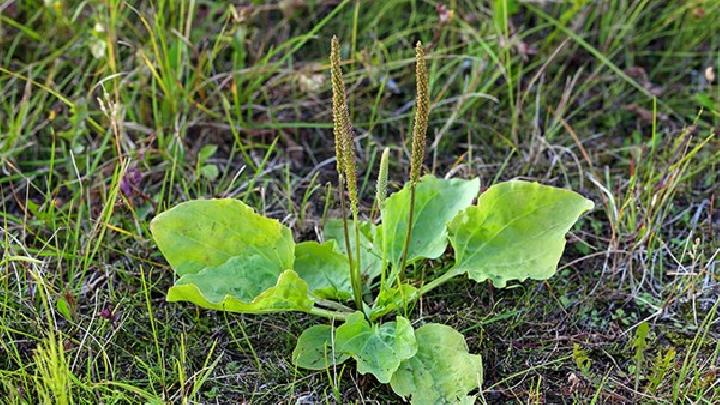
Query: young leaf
[[391, 299], [210, 172], [660, 369], [437, 201], [378, 349], [63, 307], [442, 371], [326, 271], [582, 360], [206, 233], [314, 349], [206, 152], [516, 231], [213, 288], [369, 259]]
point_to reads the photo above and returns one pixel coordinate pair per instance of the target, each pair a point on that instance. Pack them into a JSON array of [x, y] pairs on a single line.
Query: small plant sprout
[[230, 258], [381, 186]]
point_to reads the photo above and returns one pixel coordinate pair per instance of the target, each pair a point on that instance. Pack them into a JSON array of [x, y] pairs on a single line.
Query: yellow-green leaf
[[315, 350], [325, 270], [230, 258], [392, 299], [442, 371], [205, 233], [516, 231], [437, 201], [378, 349], [370, 259], [205, 289]]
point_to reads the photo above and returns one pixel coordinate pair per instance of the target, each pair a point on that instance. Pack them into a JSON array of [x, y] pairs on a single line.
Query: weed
[[230, 258]]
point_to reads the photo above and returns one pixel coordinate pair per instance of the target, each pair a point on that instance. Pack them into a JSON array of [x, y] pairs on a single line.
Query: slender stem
[[357, 293], [408, 235], [383, 265], [435, 283], [330, 304], [325, 313], [426, 288], [357, 290], [406, 248], [372, 212], [383, 272]]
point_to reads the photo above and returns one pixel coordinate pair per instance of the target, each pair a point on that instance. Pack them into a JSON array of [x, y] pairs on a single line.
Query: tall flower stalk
[[417, 153], [342, 131], [380, 194]]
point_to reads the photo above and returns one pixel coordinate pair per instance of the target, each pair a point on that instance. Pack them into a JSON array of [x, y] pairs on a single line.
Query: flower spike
[[422, 111]]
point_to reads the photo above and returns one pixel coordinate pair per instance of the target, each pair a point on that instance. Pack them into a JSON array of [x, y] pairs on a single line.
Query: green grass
[[106, 108]]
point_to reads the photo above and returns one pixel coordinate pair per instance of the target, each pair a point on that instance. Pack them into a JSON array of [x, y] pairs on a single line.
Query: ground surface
[[106, 115]]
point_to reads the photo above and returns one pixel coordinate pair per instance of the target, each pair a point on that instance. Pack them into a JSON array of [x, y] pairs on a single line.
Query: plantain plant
[[230, 258]]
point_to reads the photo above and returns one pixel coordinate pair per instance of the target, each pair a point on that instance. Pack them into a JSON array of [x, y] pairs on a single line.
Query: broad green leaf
[[243, 277], [390, 299], [442, 371], [326, 271], [214, 288], [516, 231], [230, 258], [378, 349], [370, 259], [314, 349], [207, 233], [437, 201]]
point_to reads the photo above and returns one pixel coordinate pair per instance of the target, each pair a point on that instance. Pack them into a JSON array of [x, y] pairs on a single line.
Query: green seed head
[[381, 188], [342, 129], [422, 111], [338, 99]]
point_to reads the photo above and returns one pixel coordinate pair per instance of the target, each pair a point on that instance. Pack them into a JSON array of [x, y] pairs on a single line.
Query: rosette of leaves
[[228, 257]]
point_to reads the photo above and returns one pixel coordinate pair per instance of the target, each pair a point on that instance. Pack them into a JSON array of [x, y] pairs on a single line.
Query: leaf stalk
[[357, 290], [325, 313]]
